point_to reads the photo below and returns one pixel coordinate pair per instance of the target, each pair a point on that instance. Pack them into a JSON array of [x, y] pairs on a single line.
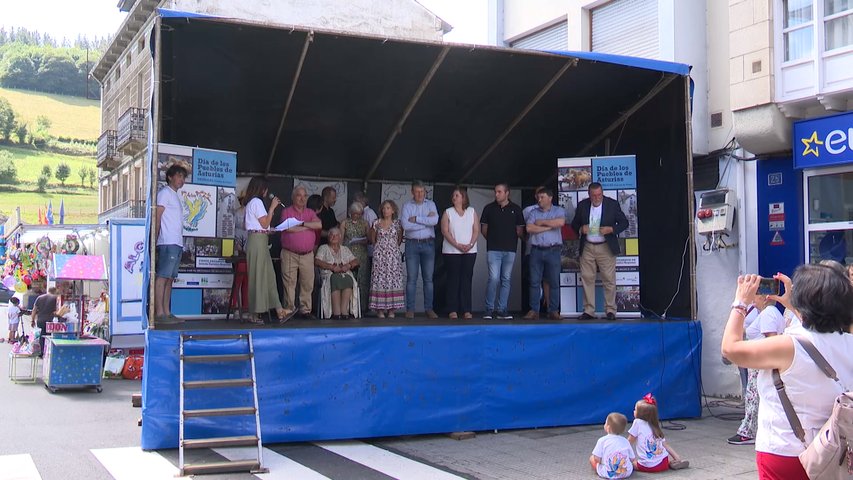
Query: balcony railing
[[132, 130], [128, 209], [108, 157]]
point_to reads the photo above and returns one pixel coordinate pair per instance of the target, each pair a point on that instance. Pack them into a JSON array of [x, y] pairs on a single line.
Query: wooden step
[[216, 358], [213, 336], [219, 412], [230, 382], [221, 467], [245, 441]]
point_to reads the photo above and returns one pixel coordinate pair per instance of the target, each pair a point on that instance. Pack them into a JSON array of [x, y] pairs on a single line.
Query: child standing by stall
[[13, 313], [613, 456], [647, 437]]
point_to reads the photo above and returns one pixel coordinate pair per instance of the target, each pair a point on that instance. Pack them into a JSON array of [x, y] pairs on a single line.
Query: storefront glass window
[[831, 245], [830, 198]]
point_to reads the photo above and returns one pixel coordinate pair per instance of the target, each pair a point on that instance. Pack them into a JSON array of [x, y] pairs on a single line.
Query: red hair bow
[[650, 399]]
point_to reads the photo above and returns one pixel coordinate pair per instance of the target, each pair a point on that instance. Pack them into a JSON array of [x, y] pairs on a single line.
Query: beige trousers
[[598, 255], [296, 268]]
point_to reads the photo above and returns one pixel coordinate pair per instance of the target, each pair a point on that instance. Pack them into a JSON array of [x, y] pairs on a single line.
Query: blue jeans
[[500, 269], [545, 261], [419, 255]]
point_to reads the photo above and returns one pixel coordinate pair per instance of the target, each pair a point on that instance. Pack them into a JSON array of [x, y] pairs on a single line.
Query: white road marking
[[133, 463], [280, 467], [386, 462], [18, 467]]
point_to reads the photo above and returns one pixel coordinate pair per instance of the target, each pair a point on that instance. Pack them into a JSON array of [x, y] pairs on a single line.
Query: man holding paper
[[599, 220], [297, 252]]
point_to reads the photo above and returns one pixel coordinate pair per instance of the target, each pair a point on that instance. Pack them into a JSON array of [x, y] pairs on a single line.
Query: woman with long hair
[[263, 292]]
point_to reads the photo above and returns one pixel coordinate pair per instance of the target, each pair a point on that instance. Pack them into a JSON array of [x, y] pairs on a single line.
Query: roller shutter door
[[626, 27], [555, 37]]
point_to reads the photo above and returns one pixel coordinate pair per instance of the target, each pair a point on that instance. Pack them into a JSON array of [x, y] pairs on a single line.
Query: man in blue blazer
[[598, 220]]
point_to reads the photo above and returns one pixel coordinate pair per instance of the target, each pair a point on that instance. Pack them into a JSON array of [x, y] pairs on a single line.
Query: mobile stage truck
[[372, 111]]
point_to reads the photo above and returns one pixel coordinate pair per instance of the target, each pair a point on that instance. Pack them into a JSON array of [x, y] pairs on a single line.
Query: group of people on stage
[[360, 260]]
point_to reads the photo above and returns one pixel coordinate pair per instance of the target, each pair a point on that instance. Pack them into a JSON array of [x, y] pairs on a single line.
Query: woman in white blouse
[[460, 227], [263, 292], [822, 297]]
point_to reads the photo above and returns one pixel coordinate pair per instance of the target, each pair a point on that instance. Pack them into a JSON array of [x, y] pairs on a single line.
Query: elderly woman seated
[[339, 290]]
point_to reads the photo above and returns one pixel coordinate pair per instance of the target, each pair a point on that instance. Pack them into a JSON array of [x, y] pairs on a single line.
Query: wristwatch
[[742, 305]]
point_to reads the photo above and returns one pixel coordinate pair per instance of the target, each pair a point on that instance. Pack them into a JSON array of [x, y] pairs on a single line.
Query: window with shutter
[[555, 37], [626, 27]]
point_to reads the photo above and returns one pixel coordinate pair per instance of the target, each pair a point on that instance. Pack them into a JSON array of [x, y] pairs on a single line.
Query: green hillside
[[73, 117], [81, 203]]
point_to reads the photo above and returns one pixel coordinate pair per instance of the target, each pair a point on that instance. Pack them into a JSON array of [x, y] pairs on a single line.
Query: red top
[[299, 242]]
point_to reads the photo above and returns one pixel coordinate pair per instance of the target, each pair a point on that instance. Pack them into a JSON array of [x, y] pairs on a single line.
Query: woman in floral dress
[[355, 237], [386, 285]]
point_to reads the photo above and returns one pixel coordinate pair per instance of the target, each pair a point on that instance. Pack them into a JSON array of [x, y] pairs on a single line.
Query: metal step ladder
[[246, 354]]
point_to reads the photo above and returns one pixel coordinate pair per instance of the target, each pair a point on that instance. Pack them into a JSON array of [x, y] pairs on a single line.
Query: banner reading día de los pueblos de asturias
[[618, 178], [209, 200]]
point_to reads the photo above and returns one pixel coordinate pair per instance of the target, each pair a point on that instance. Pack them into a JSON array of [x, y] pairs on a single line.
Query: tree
[[41, 135], [8, 170], [59, 74], [7, 119], [63, 171], [93, 176], [83, 172], [21, 132], [42, 183], [46, 171]]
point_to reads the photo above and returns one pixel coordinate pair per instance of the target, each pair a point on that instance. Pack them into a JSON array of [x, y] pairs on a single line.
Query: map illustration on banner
[[618, 178]]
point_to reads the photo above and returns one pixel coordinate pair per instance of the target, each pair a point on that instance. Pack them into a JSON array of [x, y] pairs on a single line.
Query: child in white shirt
[[13, 313], [647, 436], [613, 456]]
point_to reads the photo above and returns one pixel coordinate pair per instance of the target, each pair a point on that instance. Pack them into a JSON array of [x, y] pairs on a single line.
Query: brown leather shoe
[[554, 316], [531, 315], [431, 315], [410, 314]]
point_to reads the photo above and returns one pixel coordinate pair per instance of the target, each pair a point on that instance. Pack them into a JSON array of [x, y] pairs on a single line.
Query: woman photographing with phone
[[823, 299]]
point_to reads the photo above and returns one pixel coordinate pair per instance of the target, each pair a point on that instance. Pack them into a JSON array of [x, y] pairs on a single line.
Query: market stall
[[72, 360]]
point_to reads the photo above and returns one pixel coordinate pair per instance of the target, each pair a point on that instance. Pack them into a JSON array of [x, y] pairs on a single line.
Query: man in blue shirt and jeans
[[419, 218], [544, 224]]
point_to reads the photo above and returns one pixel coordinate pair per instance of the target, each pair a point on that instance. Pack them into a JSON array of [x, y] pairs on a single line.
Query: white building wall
[[406, 19], [522, 17], [682, 26]]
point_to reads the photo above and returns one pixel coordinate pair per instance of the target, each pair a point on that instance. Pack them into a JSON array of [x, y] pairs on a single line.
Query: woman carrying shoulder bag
[[823, 299]]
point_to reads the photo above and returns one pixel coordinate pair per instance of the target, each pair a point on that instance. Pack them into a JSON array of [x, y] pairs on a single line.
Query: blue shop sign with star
[[825, 141]]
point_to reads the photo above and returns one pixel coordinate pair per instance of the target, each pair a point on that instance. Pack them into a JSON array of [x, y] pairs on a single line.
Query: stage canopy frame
[[297, 102]]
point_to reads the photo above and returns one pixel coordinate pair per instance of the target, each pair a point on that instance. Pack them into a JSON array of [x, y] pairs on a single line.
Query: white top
[[750, 325], [811, 392], [13, 313], [462, 229], [616, 454], [172, 220], [255, 210], [594, 224], [650, 451]]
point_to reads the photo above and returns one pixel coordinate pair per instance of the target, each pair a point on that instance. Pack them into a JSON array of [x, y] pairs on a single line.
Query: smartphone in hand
[[768, 286]]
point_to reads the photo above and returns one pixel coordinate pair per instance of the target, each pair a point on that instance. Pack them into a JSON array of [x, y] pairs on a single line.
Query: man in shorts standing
[[169, 228]]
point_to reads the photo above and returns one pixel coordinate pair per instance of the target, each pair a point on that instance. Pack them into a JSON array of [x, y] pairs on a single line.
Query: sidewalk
[[563, 453]]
